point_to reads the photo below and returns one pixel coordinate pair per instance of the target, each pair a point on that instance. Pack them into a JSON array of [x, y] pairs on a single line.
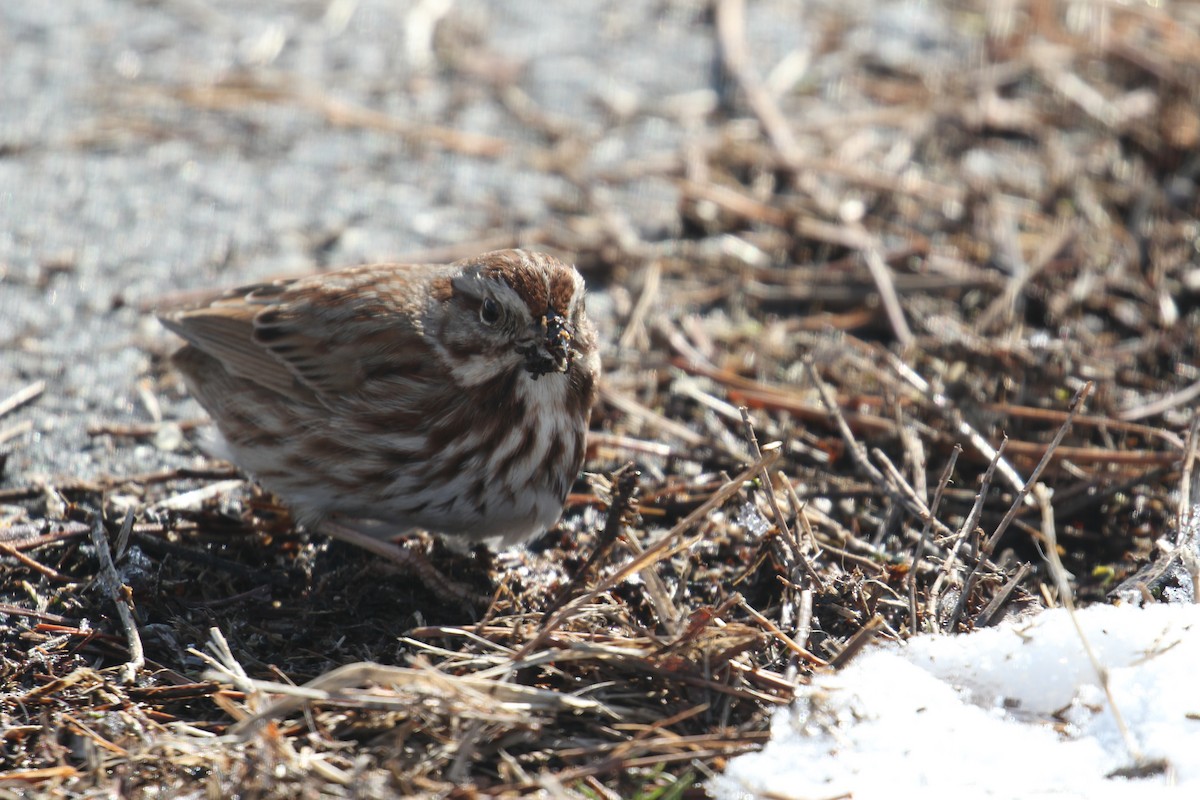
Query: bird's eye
[[489, 312]]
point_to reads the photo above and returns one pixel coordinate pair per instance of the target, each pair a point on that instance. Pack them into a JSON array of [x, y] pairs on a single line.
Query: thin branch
[[21, 397], [785, 532], [919, 548], [1065, 595], [664, 548], [1077, 403], [121, 596]]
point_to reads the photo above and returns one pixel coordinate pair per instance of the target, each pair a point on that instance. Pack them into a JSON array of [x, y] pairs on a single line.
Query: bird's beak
[[555, 353], [558, 338]]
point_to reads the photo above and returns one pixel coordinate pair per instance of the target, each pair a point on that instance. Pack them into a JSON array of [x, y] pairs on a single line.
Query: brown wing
[[224, 330], [325, 335]]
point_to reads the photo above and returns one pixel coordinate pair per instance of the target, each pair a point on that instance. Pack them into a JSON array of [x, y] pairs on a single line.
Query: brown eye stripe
[[540, 280], [528, 286]]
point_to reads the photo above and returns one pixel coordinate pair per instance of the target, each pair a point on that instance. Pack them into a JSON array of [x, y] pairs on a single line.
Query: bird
[[379, 399]]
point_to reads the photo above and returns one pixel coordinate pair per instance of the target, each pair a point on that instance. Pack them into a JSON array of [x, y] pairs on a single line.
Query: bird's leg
[[411, 561]]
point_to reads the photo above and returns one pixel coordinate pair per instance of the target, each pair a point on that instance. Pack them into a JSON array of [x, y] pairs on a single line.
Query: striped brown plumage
[[451, 398]]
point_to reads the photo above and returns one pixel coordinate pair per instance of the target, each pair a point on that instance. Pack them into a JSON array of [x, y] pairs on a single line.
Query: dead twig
[[1077, 403], [773, 629], [1063, 583], [247, 90], [666, 546], [943, 404], [968, 530], [991, 612], [623, 486], [49, 572], [785, 532], [882, 275], [857, 642], [21, 397], [919, 548], [121, 597], [731, 49], [1163, 404]]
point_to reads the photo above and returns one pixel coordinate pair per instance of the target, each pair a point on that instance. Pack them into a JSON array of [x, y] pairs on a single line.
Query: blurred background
[[148, 149]]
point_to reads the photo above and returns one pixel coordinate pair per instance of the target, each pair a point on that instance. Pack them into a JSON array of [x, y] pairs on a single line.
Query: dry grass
[[891, 310]]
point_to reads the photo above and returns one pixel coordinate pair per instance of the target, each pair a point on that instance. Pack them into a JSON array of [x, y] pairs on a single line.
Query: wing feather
[[227, 334], [319, 338]]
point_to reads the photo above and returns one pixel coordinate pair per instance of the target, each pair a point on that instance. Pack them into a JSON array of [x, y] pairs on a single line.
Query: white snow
[[1014, 711]]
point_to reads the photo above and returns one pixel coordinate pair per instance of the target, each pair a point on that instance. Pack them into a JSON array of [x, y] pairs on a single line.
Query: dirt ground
[[894, 297]]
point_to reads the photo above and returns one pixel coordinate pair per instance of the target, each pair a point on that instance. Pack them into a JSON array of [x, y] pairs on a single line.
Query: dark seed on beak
[[554, 354], [558, 336]]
